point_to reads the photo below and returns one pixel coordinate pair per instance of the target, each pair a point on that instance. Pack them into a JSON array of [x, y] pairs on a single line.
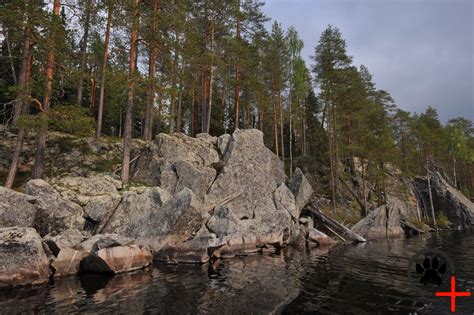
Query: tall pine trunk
[[80, 85], [24, 94], [275, 125], [25, 58], [211, 76], [237, 70], [38, 167], [193, 108], [148, 133], [100, 114], [127, 134], [282, 133]]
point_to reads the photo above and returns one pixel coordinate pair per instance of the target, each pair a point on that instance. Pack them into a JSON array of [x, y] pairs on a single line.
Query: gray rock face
[[97, 195], [149, 215], [134, 208], [446, 199], [251, 170], [23, 260], [197, 178], [384, 221], [301, 189], [54, 214], [179, 147], [16, 209]]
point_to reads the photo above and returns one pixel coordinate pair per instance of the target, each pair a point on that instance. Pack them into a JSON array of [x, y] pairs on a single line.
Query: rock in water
[[317, 237], [111, 253], [66, 258], [446, 199], [16, 209], [54, 214], [384, 221], [23, 260]]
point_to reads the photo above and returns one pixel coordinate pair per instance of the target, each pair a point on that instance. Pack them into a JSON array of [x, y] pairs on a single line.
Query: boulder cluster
[[191, 199]]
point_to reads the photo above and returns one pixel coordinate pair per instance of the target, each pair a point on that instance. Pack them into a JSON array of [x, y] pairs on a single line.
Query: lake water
[[346, 279]]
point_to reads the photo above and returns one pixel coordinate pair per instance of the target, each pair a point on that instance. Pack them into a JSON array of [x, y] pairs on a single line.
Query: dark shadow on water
[[93, 282]]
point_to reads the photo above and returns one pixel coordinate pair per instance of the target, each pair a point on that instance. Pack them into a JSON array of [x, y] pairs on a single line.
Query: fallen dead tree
[[338, 229]]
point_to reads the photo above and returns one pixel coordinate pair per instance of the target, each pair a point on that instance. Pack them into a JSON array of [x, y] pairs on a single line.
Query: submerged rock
[[23, 260]]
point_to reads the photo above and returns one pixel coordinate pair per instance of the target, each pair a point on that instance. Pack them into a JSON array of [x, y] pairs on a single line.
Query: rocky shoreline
[[193, 200]]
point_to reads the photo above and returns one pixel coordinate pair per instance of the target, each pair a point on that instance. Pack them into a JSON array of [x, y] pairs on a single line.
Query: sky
[[421, 51]]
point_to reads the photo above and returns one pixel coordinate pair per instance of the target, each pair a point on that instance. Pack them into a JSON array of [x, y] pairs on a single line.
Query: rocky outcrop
[[23, 260], [10, 202], [209, 197], [54, 214], [446, 199]]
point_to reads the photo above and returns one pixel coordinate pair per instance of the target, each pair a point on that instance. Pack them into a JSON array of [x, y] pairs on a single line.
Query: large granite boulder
[[54, 214], [16, 209], [384, 221], [446, 199], [23, 260]]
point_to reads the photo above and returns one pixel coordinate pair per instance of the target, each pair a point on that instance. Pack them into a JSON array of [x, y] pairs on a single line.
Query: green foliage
[[74, 120]]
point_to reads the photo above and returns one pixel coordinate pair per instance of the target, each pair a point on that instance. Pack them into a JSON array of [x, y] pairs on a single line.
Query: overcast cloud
[[421, 51]]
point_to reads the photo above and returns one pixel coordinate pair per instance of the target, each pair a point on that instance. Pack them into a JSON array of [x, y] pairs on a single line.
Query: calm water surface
[[351, 279]]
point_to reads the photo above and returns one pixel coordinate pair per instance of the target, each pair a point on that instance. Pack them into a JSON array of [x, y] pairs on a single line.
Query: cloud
[[421, 51]]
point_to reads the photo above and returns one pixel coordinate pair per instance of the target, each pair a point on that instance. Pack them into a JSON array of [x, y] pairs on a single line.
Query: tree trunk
[[148, 133], [291, 135], [237, 70], [92, 96], [80, 85], [173, 85], [204, 100], [193, 109], [38, 167], [275, 125], [10, 58], [282, 133], [211, 76], [24, 95], [127, 134], [428, 174], [100, 114]]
